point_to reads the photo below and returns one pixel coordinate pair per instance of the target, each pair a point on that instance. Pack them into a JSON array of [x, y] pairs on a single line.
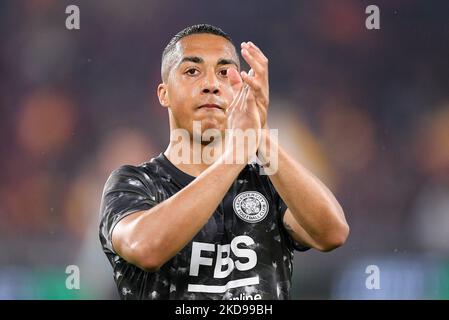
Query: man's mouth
[[210, 106]]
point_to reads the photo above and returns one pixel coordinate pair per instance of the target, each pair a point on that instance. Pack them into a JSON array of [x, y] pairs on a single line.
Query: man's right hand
[[242, 115]]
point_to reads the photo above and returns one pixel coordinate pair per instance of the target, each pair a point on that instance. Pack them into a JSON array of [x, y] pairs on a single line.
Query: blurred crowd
[[366, 110]]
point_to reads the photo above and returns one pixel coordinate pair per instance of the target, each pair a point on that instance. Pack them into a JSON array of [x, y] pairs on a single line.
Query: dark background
[[366, 110]]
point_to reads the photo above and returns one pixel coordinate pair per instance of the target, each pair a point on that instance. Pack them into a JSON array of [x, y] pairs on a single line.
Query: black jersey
[[242, 252]]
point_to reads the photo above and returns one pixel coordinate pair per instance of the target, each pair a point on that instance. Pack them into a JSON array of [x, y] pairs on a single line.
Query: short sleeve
[[282, 208], [128, 190]]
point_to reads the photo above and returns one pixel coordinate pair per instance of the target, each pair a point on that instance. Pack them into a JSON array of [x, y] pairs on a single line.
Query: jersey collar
[[177, 174]]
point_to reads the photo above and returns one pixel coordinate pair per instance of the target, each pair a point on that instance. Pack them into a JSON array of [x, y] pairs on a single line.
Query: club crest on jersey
[[251, 206]]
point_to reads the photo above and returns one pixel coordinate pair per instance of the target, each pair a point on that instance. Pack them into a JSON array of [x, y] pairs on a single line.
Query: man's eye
[[191, 72], [224, 72]]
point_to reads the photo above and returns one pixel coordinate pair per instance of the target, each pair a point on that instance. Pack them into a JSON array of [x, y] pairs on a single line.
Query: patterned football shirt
[[243, 251]]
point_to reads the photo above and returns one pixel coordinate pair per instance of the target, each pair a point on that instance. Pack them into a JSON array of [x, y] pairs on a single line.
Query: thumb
[[235, 80]]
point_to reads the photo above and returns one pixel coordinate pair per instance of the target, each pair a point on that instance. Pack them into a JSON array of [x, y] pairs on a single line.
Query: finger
[[252, 46], [242, 101], [253, 63], [238, 100], [250, 100], [250, 81], [250, 97], [245, 97], [235, 101], [237, 87], [256, 54], [235, 80]]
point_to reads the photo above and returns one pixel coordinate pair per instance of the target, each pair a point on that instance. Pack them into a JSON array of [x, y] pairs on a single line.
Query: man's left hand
[[259, 82]]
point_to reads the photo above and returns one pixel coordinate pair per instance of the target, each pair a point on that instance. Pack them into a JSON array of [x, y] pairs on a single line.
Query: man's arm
[[149, 238], [314, 217]]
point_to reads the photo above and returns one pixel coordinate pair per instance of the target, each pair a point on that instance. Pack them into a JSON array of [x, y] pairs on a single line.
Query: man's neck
[[192, 157]]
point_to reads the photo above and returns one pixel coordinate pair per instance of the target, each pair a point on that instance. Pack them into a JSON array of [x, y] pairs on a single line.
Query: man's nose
[[210, 84]]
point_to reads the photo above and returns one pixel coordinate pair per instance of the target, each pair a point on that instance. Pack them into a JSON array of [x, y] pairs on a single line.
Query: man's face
[[197, 86]]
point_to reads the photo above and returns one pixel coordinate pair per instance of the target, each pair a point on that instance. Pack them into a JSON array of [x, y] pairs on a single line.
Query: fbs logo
[[227, 257], [251, 206], [223, 257]]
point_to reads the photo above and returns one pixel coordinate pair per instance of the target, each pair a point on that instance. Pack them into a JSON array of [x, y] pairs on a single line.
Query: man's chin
[[211, 124]]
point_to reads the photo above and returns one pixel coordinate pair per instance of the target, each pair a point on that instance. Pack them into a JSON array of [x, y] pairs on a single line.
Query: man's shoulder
[[146, 171]]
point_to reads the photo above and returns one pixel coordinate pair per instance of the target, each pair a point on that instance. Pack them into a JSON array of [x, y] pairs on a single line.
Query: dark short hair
[[195, 29]]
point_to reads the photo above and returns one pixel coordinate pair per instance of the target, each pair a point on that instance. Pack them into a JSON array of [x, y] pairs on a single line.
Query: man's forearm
[[162, 231], [311, 203]]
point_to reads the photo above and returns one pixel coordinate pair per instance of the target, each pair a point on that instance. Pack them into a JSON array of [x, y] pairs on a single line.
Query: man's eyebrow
[[196, 59], [226, 61], [193, 59]]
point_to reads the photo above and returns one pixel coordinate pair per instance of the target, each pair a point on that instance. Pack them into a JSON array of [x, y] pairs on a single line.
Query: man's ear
[[163, 94]]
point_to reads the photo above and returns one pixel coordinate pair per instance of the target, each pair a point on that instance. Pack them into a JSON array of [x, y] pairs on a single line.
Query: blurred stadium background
[[367, 111]]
